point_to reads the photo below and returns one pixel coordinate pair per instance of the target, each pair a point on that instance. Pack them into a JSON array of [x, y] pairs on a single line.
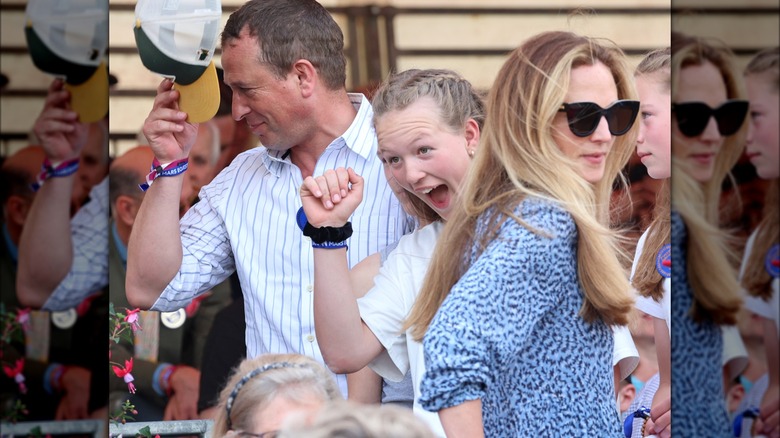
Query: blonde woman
[[708, 135], [526, 276], [263, 392], [651, 271], [428, 125], [760, 270]]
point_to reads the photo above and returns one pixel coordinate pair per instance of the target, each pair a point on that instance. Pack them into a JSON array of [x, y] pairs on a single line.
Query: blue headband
[[248, 376]]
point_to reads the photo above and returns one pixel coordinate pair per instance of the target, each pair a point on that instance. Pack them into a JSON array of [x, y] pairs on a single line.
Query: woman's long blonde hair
[[710, 259], [656, 66], [756, 279], [518, 158]]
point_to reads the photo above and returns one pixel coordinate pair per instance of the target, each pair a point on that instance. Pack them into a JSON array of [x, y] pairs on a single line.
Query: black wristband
[[328, 234]]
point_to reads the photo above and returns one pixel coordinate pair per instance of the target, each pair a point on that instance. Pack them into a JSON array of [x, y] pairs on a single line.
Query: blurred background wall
[[470, 36]]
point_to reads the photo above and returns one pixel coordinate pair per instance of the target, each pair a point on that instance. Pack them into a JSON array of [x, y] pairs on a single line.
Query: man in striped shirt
[[284, 62]]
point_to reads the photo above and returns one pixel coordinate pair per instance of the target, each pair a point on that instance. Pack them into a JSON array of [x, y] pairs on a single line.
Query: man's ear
[[306, 75], [627, 395], [17, 208], [126, 208]]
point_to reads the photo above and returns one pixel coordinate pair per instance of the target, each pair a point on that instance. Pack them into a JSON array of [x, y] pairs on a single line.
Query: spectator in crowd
[[284, 62], [264, 392], [50, 354], [168, 349], [760, 271], [705, 84], [528, 262]]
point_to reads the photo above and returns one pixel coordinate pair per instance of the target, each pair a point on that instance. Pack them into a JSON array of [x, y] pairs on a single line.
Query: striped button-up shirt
[[89, 271], [245, 222]]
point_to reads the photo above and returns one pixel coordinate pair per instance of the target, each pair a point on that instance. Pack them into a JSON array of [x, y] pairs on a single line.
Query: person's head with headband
[[262, 392]]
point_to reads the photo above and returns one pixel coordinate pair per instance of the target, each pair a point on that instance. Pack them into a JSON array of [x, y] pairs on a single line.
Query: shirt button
[[310, 338], [309, 288]]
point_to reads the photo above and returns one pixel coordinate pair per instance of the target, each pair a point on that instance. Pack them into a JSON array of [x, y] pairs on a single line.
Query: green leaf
[[146, 432]]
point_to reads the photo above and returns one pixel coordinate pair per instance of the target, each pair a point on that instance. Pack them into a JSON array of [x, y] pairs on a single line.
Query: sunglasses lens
[[621, 116], [583, 118], [692, 118], [730, 116]]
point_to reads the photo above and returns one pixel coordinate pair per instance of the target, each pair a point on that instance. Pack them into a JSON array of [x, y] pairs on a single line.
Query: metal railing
[[96, 428], [201, 428]]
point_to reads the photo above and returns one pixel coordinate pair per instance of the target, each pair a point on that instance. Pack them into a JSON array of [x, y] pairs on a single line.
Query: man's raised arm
[[154, 251]]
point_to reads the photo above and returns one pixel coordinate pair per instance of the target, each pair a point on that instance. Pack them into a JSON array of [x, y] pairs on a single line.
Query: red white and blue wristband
[[49, 170], [171, 169]]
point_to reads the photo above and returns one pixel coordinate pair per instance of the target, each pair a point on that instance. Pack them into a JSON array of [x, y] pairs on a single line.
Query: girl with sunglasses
[[428, 125], [760, 272], [708, 136], [526, 276], [651, 268]]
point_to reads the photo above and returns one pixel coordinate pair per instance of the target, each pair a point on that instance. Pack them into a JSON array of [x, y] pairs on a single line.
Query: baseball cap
[[177, 39], [68, 38]]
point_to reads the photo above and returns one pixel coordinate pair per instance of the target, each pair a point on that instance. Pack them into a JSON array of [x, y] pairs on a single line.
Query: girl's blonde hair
[[710, 261], [756, 279], [348, 419], [656, 65], [453, 95], [256, 382], [518, 158]]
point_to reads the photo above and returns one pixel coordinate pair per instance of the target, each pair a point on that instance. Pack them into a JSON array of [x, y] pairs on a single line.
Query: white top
[[662, 310], [89, 271], [735, 356], [385, 307], [624, 352], [768, 309], [246, 222]]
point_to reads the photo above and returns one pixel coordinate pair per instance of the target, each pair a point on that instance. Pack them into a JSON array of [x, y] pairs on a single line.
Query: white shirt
[[89, 271], [624, 352], [662, 310], [246, 222], [767, 309], [385, 307]]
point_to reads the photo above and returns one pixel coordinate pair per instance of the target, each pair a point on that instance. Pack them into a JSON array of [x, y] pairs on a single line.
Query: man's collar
[[359, 137]]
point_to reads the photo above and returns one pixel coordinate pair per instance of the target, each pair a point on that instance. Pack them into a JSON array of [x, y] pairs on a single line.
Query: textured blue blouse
[[509, 334], [698, 406]]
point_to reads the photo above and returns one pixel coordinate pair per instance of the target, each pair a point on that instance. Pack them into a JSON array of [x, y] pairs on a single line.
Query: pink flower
[[23, 318], [16, 374], [132, 318], [124, 373]]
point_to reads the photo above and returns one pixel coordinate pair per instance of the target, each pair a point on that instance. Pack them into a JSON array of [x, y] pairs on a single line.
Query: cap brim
[[90, 98], [200, 99]]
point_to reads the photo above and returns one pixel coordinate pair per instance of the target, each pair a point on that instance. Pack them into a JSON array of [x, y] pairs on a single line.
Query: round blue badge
[[300, 218], [772, 261], [663, 261]]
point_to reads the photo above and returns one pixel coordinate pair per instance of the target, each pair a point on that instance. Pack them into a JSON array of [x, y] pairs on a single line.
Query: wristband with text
[[50, 170], [171, 169], [324, 237]]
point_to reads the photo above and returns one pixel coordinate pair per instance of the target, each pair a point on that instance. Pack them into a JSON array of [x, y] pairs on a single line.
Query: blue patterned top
[[509, 334], [698, 407]]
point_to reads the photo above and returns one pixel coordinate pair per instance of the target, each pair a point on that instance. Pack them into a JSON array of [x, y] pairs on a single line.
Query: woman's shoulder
[[546, 216]]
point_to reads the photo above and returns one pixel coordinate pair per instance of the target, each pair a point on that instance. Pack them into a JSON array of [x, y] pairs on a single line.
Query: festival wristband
[[156, 378], [324, 237], [171, 169], [166, 379], [58, 170], [53, 374]]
